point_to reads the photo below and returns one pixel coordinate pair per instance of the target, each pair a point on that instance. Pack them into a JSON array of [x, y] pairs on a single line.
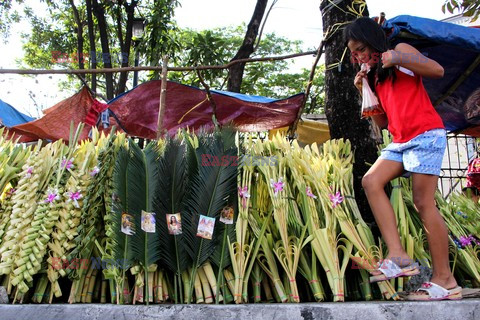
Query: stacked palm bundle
[[312, 227], [213, 217]]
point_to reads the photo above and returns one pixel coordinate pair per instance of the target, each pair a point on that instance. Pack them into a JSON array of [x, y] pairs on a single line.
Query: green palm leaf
[[142, 174], [169, 199], [221, 255], [209, 191], [191, 156], [121, 246]]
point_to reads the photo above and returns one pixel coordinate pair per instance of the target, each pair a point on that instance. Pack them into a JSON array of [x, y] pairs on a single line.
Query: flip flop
[[391, 270], [435, 292]]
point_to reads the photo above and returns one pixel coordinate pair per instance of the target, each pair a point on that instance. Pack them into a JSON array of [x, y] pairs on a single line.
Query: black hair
[[370, 33], [473, 190]]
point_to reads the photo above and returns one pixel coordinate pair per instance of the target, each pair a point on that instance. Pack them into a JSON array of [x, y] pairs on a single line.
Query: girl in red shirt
[[419, 142]]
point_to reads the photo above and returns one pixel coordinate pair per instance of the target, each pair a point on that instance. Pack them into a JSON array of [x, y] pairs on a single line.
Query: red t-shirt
[[407, 106]]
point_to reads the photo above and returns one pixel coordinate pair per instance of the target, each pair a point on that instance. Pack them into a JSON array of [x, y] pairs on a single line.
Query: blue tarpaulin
[[456, 96], [10, 116]]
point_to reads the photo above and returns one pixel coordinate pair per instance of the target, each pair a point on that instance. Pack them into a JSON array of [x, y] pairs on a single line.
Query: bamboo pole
[[163, 97], [153, 68], [293, 127]]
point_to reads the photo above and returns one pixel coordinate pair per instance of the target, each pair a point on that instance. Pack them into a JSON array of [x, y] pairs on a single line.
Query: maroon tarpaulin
[[137, 110], [186, 106]]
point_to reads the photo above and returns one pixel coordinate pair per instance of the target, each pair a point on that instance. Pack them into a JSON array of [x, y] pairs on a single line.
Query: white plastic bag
[[370, 104]]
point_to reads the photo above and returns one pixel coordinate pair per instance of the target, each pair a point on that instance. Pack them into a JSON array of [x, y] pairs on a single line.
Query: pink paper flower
[[94, 171], [336, 199], [277, 186], [243, 194], [310, 194], [74, 197], [29, 172], [52, 195], [67, 164]]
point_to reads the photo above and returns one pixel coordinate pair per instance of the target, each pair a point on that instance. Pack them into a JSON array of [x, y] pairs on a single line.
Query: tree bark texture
[[99, 12], [342, 103], [247, 47], [91, 39], [127, 44], [79, 24]]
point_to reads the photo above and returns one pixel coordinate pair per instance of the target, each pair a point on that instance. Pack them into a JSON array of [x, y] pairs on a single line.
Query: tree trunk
[[99, 12], [80, 55], [91, 39], [236, 71], [125, 46], [342, 104]]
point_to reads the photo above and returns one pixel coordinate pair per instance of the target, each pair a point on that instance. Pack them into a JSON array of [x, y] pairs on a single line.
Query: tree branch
[[209, 95], [155, 68], [263, 25]]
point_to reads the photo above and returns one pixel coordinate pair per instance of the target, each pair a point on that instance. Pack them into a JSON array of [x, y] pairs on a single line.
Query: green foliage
[[270, 79], [143, 179], [7, 17], [468, 8], [48, 43], [169, 199], [160, 33], [207, 47], [122, 246], [53, 44], [210, 190]]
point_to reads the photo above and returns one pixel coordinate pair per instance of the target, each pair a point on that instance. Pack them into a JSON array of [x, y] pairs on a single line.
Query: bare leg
[[374, 182], [424, 187]]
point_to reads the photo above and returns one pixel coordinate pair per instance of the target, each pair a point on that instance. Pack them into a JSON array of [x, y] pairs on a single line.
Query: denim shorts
[[422, 154]]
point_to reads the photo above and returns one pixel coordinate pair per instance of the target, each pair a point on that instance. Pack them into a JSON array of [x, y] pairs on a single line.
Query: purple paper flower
[[94, 171], [277, 186], [52, 195], [336, 199], [74, 197], [243, 194], [67, 164], [29, 172], [473, 240], [464, 241], [310, 194]]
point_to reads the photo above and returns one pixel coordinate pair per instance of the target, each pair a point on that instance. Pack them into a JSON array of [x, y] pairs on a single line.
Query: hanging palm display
[[211, 188], [169, 202]]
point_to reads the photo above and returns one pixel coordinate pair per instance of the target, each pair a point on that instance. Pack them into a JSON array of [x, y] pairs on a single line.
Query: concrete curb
[[467, 309], [3, 295]]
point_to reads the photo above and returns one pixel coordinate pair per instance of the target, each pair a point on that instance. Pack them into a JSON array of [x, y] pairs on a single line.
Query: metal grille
[[460, 150]]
